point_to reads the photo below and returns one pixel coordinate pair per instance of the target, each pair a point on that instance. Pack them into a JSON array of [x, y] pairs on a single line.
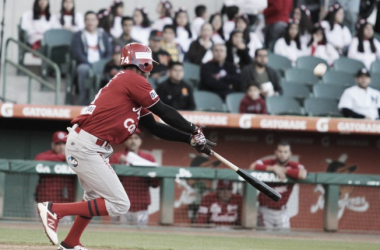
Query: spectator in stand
[[182, 27], [361, 101], [68, 18], [229, 26], [164, 9], [113, 66], [364, 47], [137, 187], [52, 187], [271, 214], [302, 15], [87, 47], [276, 17], [169, 44], [319, 47], [316, 8], [216, 21], [110, 19], [290, 44], [200, 49], [260, 72], [218, 75], [125, 38], [159, 55], [337, 34], [199, 20], [252, 103], [250, 38], [252, 8], [141, 26], [174, 91], [237, 50], [222, 207], [351, 11], [37, 21]]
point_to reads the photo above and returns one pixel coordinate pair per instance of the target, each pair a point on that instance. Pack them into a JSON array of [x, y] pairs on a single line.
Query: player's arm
[[263, 166], [298, 172]]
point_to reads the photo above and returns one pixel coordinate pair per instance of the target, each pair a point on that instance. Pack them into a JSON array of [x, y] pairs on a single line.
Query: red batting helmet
[[137, 54]]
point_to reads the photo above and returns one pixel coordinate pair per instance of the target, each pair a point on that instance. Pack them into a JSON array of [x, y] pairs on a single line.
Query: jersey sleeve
[[142, 93], [346, 100], [203, 211], [144, 112]]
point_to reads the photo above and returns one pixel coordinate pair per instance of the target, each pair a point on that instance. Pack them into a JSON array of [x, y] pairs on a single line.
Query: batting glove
[[200, 143]]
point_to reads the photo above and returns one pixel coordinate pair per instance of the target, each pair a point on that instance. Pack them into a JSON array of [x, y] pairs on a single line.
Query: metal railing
[[29, 73]]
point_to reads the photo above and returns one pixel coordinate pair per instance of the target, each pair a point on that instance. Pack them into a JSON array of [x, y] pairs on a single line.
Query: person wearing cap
[[271, 214], [136, 187], [361, 101], [52, 187], [159, 55], [222, 208], [125, 38]]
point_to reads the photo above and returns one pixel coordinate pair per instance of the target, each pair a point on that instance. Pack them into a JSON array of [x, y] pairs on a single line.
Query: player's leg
[[266, 218], [285, 220]]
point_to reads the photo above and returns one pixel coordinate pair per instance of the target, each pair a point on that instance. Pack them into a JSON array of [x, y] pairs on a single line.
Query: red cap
[[59, 136], [224, 184]]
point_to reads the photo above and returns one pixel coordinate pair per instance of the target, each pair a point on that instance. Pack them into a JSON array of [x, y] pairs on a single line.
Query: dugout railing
[[19, 177]]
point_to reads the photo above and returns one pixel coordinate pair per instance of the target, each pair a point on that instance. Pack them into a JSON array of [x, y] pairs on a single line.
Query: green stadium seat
[[301, 76], [338, 78], [192, 73], [233, 101], [348, 65], [294, 90], [279, 63], [282, 105], [328, 91], [375, 67], [321, 107], [309, 62], [208, 101]]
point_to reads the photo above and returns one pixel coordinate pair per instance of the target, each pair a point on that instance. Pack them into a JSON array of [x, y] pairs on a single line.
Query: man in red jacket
[[137, 188], [271, 214], [276, 18], [55, 188]]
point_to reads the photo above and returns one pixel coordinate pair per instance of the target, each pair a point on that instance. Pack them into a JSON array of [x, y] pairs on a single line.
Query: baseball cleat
[[63, 246], [49, 221]]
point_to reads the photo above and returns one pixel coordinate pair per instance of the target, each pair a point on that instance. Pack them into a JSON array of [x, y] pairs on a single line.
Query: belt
[[99, 142]]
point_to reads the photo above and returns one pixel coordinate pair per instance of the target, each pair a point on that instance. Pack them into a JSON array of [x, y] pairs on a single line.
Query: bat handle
[[225, 161]]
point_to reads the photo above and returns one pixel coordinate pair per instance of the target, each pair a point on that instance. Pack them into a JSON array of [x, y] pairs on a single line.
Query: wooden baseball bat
[[264, 188]]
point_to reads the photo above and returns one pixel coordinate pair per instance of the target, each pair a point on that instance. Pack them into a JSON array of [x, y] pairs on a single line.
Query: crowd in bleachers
[[287, 51]]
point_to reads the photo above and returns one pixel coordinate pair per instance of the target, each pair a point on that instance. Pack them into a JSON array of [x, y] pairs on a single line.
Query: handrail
[[29, 73]]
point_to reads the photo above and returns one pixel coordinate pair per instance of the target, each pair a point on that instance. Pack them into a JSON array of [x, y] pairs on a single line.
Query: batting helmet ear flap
[[139, 55]]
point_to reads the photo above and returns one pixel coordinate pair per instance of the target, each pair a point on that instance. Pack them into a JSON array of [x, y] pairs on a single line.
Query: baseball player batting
[[126, 102]]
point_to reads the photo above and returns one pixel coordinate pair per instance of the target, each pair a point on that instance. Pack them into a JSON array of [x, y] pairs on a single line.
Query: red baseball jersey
[[136, 187], [115, 112], [212, 211], [284, 190]]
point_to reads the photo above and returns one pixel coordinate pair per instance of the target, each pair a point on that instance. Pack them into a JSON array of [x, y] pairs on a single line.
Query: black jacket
[[243, 54], [196, 52], [248, 76], [179, 96], [228, 82]]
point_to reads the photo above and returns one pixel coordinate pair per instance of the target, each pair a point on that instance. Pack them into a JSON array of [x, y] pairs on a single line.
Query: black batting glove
[[200, 143]]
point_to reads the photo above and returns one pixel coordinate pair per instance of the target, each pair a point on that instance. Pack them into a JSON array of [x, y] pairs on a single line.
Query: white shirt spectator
[[250, 7], [228, 27], [160, 23], [290, 51], [183, 38], [79, 22], [362, 101], [93, 49], [324, 51], [217, 39], [117, 29], [339, 37], [367, 57], [254, 44], [196, 25], [36, 28], [141, 34], [305, 38]]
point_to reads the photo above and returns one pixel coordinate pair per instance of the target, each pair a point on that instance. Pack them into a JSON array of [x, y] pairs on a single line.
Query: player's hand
[[280, 171], [200, 143]]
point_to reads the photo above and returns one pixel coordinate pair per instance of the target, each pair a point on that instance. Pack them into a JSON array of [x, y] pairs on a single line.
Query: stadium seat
[[328, 91], [301, 76], [192, 73], [295, 90], [233, 101], [375, 80], [348, 65], [375, 67], [321, 107], [339, 78], [309, 62], [95, 77], [279, 63], [281, 105], [208, 101]]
